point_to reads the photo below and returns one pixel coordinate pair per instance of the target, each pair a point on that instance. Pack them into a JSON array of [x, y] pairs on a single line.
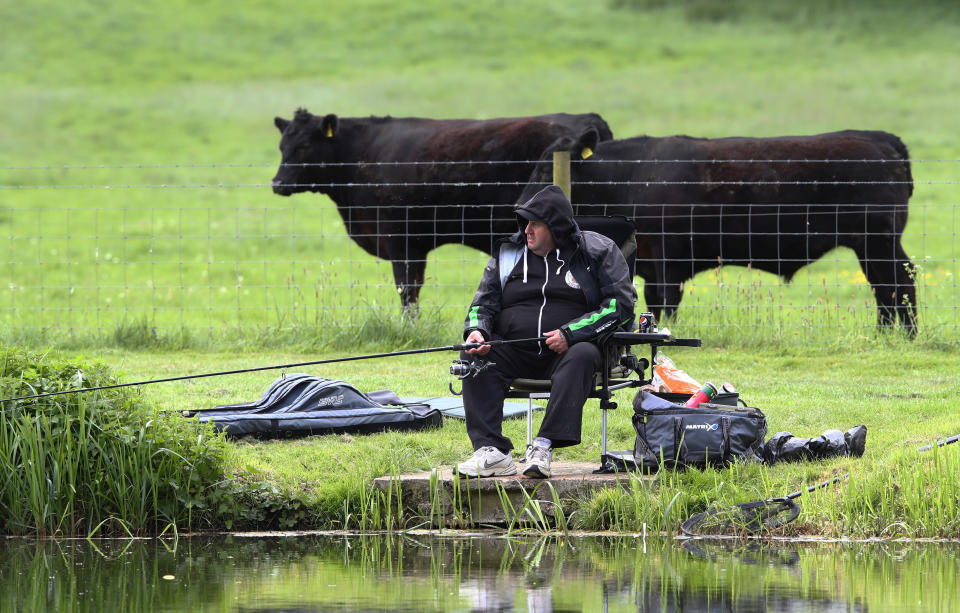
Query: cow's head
[[307, 142], [580, 148]]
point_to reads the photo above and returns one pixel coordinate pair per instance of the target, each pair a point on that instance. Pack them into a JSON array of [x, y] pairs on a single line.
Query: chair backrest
[[618, 229]]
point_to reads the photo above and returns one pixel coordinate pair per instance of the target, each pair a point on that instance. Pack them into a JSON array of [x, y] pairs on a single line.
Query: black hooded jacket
[[593, 261]]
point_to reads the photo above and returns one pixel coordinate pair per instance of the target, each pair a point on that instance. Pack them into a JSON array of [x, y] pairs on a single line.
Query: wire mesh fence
[[209, 248]]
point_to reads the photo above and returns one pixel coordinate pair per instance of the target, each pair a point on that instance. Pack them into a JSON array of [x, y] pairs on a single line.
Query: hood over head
[[552, 206]]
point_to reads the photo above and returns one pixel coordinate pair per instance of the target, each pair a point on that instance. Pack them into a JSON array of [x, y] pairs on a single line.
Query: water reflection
[[473, 573]]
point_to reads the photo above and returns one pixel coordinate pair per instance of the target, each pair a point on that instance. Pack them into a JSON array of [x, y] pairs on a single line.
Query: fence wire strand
[[177, 262], [178, 165]]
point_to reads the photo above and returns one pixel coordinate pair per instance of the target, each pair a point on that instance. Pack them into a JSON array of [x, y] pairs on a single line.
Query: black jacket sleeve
[[486, 302], [617, 294]]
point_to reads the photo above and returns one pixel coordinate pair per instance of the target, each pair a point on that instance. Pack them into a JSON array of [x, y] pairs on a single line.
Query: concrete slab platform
[[455, 501]]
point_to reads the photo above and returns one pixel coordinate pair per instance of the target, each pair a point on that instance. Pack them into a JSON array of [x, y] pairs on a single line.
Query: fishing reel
[[461, 369], [632, 363]]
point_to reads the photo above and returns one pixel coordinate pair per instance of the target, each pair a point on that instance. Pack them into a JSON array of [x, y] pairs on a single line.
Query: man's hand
[[556, 341], [475, 338]]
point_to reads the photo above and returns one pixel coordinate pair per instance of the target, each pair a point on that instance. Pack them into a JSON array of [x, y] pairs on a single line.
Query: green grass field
[[136, 155], [138, 224]]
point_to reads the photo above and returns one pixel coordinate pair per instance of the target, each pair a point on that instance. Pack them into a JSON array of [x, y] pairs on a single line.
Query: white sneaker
[[487, 462], [538, 462]]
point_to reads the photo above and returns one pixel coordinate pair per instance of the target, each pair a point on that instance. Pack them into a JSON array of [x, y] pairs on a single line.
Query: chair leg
[[529, 421], [530, 398], [603, 433]]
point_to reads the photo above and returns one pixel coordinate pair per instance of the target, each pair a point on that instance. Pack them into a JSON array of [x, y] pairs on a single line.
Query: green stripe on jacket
[[586, 321]]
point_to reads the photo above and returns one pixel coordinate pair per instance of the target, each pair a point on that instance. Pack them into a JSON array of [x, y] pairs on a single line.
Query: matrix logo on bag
[[701, 426], [330, 401]]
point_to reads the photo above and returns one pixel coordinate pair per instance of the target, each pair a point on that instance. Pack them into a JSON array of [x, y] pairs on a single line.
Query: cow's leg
[[881, 265], [672, 272], [663, 296], [408, 276], [662, 299], [646, 267], [906, 290], [653, 298], [882, 279], [672, 294], [653, 286]]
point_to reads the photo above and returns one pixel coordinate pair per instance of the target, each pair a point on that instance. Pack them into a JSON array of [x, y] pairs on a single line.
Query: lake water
[[301, 573]]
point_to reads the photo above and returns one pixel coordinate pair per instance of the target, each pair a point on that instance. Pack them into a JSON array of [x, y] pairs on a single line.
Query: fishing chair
[[620, 367]]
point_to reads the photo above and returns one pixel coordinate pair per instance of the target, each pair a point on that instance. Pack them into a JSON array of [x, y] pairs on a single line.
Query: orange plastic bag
[[668, 378]]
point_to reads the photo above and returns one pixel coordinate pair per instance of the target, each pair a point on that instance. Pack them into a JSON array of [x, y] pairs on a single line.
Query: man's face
[[539, 239]]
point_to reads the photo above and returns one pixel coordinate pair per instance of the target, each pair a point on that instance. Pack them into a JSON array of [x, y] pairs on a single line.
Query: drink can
[[646, 323], [707, 393]]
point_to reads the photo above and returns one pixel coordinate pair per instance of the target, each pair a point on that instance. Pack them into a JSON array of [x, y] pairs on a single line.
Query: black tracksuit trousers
[[572, 374]]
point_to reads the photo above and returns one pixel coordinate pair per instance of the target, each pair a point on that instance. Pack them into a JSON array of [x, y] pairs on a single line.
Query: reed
[[914, 495], [909, 496], [80, 463]]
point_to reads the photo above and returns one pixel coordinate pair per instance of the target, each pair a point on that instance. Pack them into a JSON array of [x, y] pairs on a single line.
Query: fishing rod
[[946, 441], [460, 347]]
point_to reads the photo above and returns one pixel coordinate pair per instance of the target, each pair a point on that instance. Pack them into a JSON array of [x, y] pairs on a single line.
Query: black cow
[[775, 204], [404, 186]]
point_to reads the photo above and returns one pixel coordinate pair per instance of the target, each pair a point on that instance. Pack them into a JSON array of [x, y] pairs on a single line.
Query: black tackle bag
[[674, 436]]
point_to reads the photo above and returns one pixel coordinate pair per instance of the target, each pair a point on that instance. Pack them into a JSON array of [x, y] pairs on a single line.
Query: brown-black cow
[[404, 186], [775, 204]]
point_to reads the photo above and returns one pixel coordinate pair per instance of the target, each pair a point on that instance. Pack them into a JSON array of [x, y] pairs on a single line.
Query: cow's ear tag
[[587, 152], [329, 131]]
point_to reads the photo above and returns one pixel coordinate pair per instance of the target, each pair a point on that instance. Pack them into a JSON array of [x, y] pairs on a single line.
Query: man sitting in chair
[[549, 279]]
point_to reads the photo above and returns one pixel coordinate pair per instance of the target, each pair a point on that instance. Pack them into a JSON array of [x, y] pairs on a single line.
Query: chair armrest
[[684, 342], [653, 338], [640, 338]]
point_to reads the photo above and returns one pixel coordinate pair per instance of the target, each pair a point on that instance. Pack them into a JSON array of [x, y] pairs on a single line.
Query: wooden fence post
[[561, 171]]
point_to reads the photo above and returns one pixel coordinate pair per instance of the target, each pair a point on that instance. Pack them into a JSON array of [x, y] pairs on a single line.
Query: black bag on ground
[[785, 447], [674, 436]]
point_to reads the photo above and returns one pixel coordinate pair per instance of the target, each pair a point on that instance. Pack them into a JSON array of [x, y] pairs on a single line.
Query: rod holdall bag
[[301, 405], [674, 436]]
